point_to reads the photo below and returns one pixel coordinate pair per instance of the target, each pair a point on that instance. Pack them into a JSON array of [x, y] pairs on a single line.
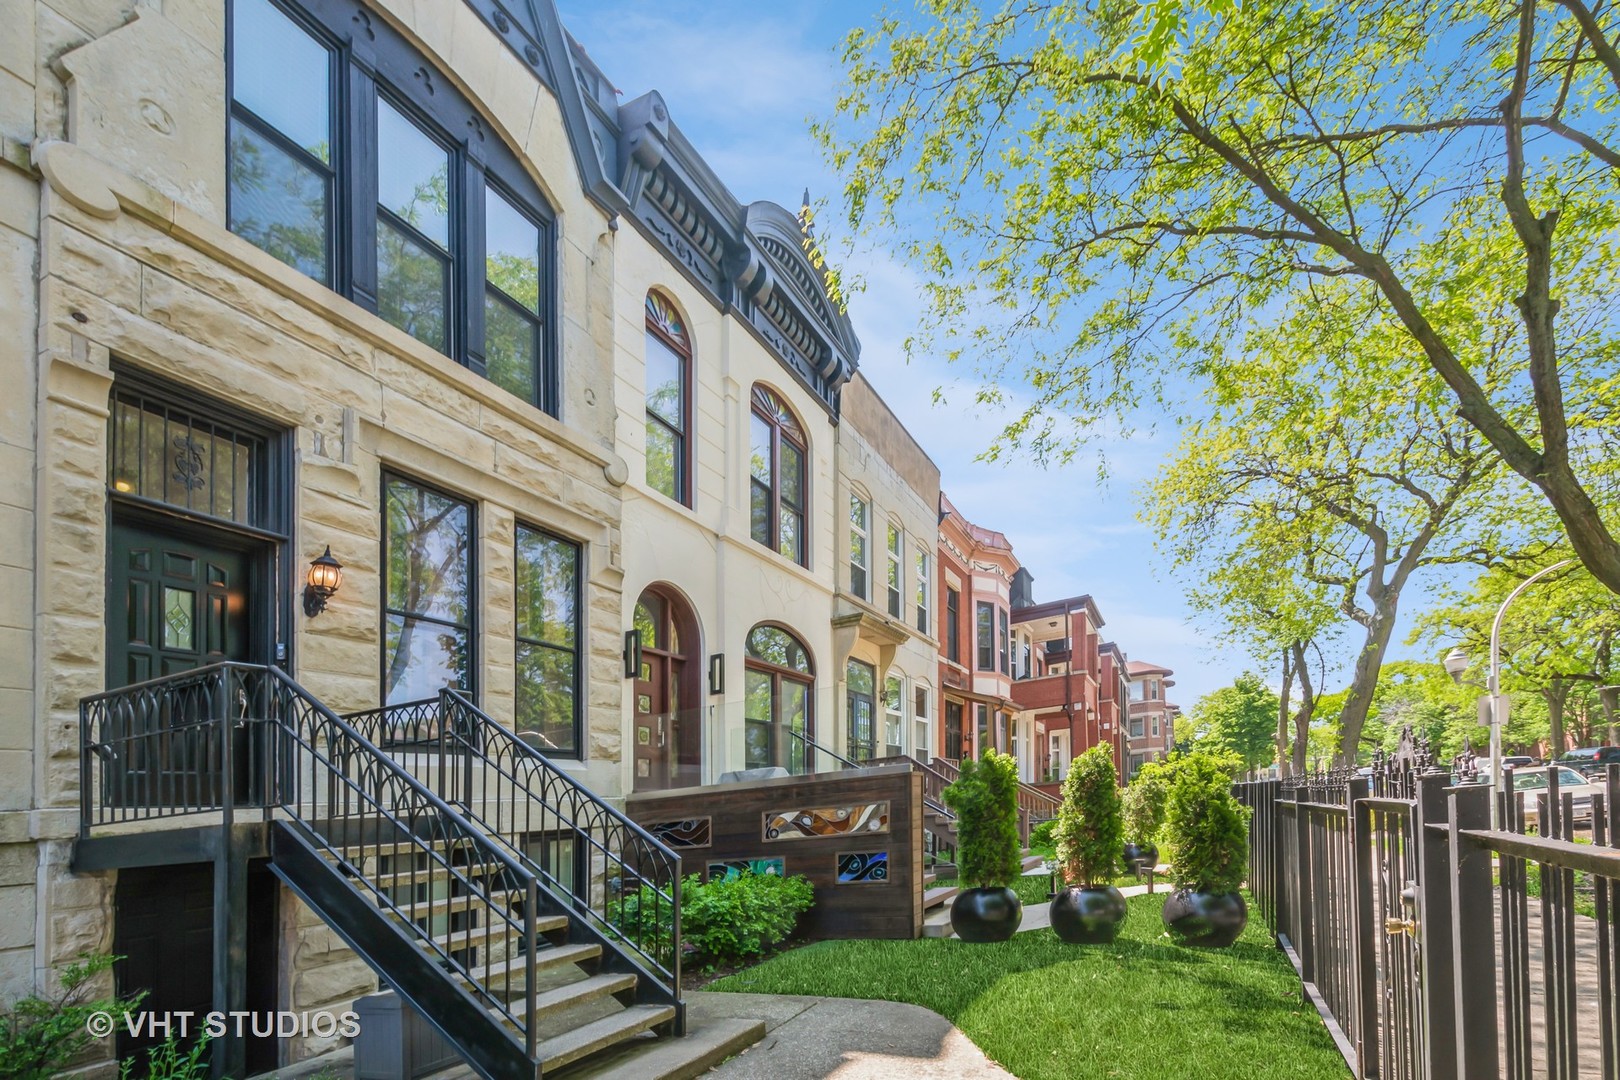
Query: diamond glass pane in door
[[179, 618]]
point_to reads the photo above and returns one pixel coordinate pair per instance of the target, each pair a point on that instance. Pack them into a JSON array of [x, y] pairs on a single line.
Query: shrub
[[1041, 835], [1089, 830], [169, 1061], [737, 918], [40, 1036], [1207, 829], [1143, 802], [985, 801], [724, 921]]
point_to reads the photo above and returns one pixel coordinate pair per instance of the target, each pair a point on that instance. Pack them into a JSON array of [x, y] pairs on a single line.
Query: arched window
[[669, 365], [777, 678], [776, 477]]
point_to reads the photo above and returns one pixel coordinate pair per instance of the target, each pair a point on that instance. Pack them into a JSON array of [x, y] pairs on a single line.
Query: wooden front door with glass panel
[[665, 737]]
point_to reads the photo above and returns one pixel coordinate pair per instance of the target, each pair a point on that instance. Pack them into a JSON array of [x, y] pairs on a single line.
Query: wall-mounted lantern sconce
[[632, 653], [717, 673], [325, 575]]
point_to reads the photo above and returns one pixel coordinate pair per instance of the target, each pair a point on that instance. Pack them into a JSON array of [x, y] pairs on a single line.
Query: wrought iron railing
[[814, 752], [511, 790], [239, 736]]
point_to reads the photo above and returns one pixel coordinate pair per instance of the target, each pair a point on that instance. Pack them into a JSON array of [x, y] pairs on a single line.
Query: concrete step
[[428, 875], [703, 1047], [426, 908], [937, 923], [479, 937], [600, 1034], [569, 995], [544, 959], [1032, 862], [933, 898]]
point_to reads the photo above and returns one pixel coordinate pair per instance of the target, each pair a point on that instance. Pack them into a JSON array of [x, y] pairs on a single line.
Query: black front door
[[173, 603]]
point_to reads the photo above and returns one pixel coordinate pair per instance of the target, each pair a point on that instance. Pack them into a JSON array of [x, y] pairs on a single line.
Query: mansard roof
[[635, 161]]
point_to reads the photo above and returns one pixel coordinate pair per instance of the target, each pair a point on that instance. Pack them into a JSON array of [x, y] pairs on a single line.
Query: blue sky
[[742, 80]]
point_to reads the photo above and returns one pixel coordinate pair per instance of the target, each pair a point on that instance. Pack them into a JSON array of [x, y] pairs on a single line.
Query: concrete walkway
[[816, 1038]]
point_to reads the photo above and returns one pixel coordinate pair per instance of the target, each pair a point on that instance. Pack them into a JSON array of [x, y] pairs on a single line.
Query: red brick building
[[1152, 716]]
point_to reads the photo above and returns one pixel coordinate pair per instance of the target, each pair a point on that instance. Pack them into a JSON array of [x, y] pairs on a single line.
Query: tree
[[1557, 641], [1309, 484], [1100, 191], [1238, 719]]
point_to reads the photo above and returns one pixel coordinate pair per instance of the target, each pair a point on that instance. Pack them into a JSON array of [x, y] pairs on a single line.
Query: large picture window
[[777, 677], [777, 448], [548, 607], [669, 355], [375, 178], [428, 607]]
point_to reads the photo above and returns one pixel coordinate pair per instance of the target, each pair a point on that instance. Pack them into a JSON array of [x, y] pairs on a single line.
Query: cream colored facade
[[881, 468], [704, 552], [117, 257]]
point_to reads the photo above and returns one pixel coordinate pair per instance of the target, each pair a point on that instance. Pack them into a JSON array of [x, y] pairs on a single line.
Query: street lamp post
[[1457, 661]]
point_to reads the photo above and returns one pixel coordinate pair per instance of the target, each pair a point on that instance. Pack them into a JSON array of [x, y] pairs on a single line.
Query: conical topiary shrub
[[1208, 833], [1088, 833], [985, 801]]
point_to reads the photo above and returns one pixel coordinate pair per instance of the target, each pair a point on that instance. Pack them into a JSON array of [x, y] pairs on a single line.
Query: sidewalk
[[812, 1038]]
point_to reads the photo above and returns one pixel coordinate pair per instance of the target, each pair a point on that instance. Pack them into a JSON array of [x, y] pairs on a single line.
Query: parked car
[[1591, 760], [1530, 783]]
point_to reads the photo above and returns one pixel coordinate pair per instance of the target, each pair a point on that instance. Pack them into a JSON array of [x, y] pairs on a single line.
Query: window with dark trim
[[954, 736], [860, 680], [923, 581], [987, 635], [860, 516], [953, 625], [547, 609], [777, 709], [428, 607], [893, 574], [776, 477], [669, 363], [1003, 642], [361, 166]]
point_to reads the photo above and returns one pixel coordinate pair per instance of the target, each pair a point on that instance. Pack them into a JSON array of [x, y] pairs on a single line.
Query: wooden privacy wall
[[829, 827]]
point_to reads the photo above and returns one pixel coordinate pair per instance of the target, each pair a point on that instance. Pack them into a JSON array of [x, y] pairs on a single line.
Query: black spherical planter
[[1211, 920], [986, 914], [1088, 916], [1139, 857]]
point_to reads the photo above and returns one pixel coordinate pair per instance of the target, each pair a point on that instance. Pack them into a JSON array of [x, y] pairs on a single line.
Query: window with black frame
[[428, 612], [548, 609], [777, 678], [777, 448], [987, 635], [669, 355], [377, 179]]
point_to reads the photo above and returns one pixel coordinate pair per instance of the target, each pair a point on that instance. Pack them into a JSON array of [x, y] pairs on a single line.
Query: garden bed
[[1141, 1007]]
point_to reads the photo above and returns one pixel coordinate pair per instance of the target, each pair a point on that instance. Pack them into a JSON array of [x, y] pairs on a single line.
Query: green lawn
[[1140, 1008]]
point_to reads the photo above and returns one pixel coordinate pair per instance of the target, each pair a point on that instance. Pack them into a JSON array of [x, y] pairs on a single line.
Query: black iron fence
[[1436, 947]]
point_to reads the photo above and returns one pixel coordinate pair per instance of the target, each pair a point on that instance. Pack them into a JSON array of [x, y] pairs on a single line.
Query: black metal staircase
[[422, 835]]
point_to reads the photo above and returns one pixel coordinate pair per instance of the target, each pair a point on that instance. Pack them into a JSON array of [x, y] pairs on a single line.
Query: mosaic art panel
[[726, 870], [692, 832], [828, 821], [863, 868]]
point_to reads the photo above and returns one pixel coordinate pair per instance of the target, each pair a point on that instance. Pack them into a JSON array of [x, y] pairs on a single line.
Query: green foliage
[[1089, 831], [1240, 719], [734, 919], [1207, 829], [1042, 834], [985, 801], [41, 1035], [172, 1060], [1143, 802], [1105, 198], [723, 921]]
